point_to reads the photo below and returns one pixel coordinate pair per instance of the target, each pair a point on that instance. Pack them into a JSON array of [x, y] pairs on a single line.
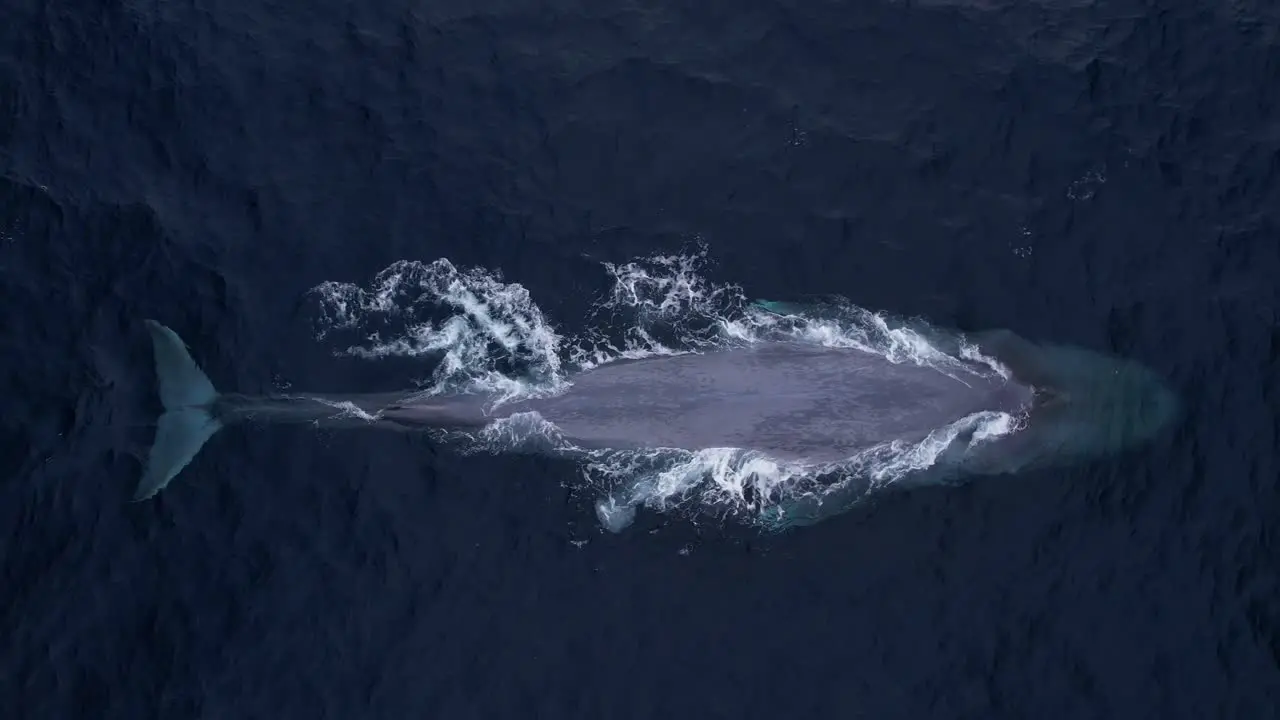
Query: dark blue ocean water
[[1104, 174]]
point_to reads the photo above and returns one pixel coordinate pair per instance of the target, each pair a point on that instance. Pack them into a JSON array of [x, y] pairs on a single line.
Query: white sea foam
[[347, 409]]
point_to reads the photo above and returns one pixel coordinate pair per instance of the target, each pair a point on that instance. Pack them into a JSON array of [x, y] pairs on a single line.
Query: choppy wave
[[477, 332]]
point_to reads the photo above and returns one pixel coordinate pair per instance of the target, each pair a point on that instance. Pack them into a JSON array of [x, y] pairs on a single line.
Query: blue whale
[[791, 401]]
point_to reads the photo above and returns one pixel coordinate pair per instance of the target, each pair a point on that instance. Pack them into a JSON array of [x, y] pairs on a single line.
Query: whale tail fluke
[[188, 419]]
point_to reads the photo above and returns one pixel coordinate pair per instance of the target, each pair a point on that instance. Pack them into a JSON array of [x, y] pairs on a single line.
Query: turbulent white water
[[476, 332]]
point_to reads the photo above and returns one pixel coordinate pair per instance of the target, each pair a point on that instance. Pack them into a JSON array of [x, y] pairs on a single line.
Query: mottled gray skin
[[791, 401]]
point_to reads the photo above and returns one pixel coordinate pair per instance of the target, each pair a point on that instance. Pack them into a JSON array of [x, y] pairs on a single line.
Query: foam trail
[[464, 319]]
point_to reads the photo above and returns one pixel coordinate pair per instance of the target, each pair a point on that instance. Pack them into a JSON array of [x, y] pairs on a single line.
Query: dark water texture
[[1102, 175]]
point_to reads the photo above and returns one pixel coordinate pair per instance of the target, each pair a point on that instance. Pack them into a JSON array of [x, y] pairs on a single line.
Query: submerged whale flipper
[[188, 420]]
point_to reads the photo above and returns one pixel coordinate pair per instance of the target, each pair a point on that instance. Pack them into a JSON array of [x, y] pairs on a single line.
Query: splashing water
[[470, 320], [486, 335]]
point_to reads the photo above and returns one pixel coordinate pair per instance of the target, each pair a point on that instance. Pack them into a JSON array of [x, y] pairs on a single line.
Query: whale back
[[791, 401]]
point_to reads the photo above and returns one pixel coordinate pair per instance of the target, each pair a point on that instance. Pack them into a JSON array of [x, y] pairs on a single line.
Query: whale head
[[1086, 404]]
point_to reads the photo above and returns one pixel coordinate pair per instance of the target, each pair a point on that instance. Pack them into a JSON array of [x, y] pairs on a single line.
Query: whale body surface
[[791, 401]]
